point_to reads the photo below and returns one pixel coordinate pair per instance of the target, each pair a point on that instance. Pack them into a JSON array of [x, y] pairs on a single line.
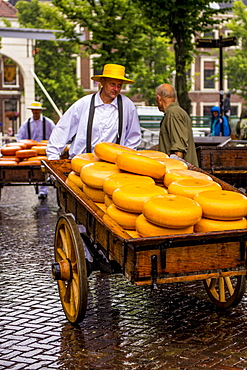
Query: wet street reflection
[[125, 327]]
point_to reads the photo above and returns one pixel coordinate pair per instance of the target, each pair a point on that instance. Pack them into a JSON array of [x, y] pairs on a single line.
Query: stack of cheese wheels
[[130, 197], [8, 157], [221, 210], [141, 165], [28, 142], [24, 152], [108, 151], [77, 162], [93, 176], [168, 214], [173, 164], [80, 160], [127, 220], [192, 186], [179, 174]]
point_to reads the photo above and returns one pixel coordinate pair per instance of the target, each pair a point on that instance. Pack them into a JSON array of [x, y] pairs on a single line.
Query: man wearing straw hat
[[37, 127], [106, 116]]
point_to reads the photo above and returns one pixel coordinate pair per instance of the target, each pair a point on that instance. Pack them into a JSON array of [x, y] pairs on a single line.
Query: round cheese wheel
[[9, 158], [29, 143], [26, 153], [206, 225], [172, 211], [10, 150], [108, 151], [94, 174], [18, 143], [108, 200], [44, 141], [179, 174], [127, 220], [97, 195], [147, 229], [8, 163], [222, 204], [75, 179], [141, 165], [190, 187], [30, 163], [40, 144], [80, 160], [172, 164], [155, 154], [41, 150], [130, 197], [114, 181]]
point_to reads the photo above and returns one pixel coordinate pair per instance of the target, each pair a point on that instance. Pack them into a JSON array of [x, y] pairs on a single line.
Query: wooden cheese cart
[[216, 258], [22, 176], [226, 160]]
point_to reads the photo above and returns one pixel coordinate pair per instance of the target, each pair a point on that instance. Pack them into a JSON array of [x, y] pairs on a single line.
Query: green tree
[[55, 64], [180, 21], [236, 64], [120, 34]]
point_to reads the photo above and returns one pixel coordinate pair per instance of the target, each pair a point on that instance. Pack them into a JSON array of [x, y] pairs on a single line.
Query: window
[[10, 75], [207, 110], [209, 72]]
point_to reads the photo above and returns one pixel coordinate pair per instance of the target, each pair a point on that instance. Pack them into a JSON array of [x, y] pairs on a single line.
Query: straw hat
[[36, 105], [113, 71]]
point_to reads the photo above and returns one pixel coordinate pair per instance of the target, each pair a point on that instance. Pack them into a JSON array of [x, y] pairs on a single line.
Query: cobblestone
[[125, 327]]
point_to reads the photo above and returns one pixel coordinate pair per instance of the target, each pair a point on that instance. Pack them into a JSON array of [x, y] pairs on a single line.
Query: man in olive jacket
[[176, 135]]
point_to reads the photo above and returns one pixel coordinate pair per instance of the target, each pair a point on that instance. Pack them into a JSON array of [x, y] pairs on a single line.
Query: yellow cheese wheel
[[26, 153], [80, 160], [108, 151], [178, 174], [172, 211], [147, 229], [75, 179], [10, 151], [207, 225], [172, 164], [30, 163], [222, 204], [133, 233], [114, 181], [94, 174], [44, 141], [108, 200], [9, 158], [190, 187], [97, 195], [155, 154], [101, 206], [141, 165], [18, 143], [127, 220], [41, 150], [130, 197]]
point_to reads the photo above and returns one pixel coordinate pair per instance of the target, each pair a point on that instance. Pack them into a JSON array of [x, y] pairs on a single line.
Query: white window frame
[[202, 61]]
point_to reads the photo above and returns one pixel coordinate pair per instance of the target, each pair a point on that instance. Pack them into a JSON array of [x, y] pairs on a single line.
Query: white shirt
[[36, 129], [105, 126]]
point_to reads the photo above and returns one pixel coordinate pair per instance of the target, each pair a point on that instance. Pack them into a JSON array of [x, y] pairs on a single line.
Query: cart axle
[[62, 270]]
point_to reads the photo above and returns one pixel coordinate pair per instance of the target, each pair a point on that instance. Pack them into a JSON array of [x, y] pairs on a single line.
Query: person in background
[[176, 135], [37, 127], [9, 138], [227, 106], [241, 127], [106, 116], [219, 125]]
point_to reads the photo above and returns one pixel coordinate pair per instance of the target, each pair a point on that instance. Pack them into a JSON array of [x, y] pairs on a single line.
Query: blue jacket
[[219, 126]]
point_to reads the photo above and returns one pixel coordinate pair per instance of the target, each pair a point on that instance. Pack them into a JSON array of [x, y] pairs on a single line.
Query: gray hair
[[166, 91]]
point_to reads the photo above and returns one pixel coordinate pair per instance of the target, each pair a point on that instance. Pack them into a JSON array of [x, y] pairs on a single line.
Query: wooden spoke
[[226, 292], [73, 293]]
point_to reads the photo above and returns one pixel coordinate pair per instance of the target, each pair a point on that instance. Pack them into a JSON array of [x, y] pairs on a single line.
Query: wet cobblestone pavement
[[126, 327]]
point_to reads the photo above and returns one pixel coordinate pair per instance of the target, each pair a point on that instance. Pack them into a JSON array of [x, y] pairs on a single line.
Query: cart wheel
[[70, 269], [226, 292]]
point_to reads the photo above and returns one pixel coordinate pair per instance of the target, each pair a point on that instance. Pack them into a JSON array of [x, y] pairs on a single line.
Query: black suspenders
[[90, 122], [29, 129]]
